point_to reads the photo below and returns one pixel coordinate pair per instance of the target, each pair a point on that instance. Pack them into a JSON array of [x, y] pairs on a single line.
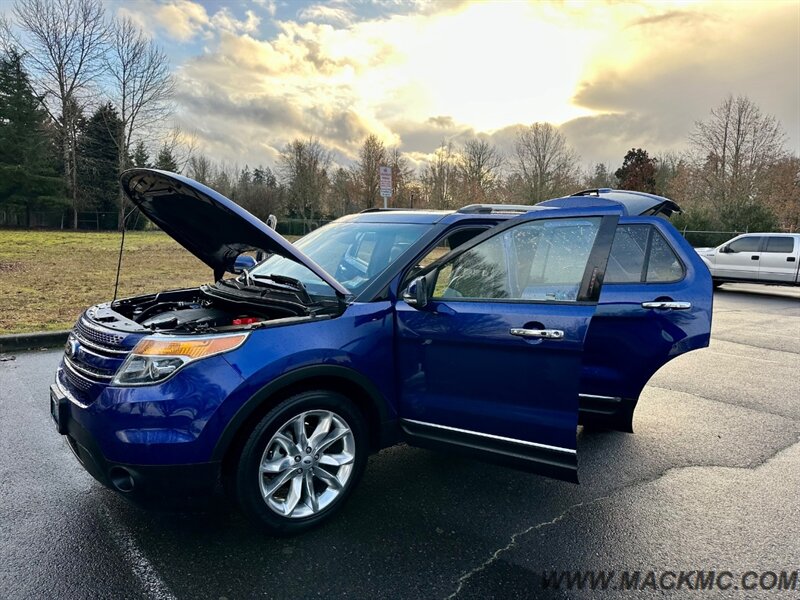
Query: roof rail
[[593, 192], [381, 209], [487, 209]]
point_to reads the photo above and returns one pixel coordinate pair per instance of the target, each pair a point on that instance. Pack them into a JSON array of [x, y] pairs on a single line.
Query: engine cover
[[181, 317]]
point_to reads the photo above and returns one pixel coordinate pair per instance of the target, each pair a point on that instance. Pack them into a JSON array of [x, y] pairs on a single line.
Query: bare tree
[[343, 192], [439, 177], [142, 87], [783, 192], [735, 150], [5, 35], [402, 177], [545, 166], [182, 146], [201, 169], [479, 165], [366, 171], [64, 42], [303, 166]]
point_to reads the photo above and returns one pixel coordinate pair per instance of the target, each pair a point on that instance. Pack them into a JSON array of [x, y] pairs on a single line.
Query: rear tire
[[301, 462]]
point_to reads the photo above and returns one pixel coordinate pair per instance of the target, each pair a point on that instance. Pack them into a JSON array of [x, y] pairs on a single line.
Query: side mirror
[[242, 263], [725, 250], [416, 293]]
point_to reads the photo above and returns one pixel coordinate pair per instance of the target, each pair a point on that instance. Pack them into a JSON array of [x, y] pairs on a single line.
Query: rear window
[[641, 254], [780, 244]]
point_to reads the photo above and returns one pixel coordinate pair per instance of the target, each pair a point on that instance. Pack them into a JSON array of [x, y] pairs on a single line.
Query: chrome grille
[[75, 381], [111, 341], [98, 348], [91, 373]]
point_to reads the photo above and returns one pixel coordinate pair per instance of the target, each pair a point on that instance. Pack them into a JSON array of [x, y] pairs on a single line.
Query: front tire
[[301, 462]]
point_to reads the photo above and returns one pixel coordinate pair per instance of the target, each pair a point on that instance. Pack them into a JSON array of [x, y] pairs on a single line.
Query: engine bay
[[207, 308]]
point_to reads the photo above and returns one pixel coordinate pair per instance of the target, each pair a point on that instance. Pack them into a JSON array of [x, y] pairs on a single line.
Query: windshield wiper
[[284, 283], [281, 283]]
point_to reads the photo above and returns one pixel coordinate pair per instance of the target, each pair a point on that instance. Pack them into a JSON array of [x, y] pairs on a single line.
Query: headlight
[[155, 359]]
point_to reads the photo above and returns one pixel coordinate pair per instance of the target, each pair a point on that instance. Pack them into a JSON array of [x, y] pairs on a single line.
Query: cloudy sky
[[253, 75]]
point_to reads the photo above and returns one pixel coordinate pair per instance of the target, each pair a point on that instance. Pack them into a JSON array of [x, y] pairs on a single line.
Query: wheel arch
[[334, 378]]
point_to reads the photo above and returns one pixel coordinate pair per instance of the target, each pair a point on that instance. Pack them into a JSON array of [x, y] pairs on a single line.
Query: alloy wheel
[[307, 464]]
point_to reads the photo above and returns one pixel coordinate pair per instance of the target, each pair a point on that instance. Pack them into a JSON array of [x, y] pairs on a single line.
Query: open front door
[[491, 364]]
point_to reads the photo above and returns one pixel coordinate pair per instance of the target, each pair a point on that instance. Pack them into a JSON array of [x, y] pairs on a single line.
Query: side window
[[750, 243], [641, 254], [784, 245], [445, 245], [478, 273], [663, 265], [626, 261], [540, 260]]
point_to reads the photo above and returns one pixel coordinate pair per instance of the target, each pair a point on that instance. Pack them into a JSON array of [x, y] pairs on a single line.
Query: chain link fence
[[58, 219], [107, 221]]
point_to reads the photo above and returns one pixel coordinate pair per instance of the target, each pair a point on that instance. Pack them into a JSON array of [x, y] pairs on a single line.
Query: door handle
[[548, 334], [790, 259], [659, 304], [754, 257]]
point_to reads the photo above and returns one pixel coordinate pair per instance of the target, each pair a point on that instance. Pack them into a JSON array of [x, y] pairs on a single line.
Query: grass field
[[48, 277]]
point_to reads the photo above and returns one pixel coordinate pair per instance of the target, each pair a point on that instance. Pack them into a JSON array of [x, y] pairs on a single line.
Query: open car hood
[[209, 225], [635, 204]]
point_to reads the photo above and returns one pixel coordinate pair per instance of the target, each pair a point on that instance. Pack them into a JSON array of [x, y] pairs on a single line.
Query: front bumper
[[147, 485]]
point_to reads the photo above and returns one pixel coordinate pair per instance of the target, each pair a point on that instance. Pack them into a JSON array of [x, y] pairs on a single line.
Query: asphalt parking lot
[[709, 480]]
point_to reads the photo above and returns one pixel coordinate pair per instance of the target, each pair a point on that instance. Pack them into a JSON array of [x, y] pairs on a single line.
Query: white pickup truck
[[770, 258]]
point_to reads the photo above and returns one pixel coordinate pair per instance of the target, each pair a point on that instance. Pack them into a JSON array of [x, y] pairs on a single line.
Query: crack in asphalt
[[461, 581]]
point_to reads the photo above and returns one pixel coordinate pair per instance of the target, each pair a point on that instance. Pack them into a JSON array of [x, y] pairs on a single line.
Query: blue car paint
[[453, 365], [459, 367], [160, 424], [627, 344]]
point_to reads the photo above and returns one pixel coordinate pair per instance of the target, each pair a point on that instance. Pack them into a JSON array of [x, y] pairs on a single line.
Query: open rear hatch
[[634, 203]]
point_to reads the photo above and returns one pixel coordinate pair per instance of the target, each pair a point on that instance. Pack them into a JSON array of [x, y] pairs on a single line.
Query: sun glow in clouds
[[640, 72], [493, 64]]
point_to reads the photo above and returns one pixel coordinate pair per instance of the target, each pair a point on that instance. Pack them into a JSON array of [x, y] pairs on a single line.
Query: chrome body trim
[[493, 437]]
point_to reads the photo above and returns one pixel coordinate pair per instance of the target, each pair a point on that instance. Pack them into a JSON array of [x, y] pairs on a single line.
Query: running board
[[550, 461], [606, 412]]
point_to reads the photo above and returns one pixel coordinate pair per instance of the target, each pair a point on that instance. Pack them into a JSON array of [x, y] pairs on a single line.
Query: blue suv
[[492, 330]]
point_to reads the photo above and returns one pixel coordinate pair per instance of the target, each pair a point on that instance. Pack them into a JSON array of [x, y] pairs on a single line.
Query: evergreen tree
[[264, 176], [28, 178], [140, 158], [166, 160], [601, 177], [98, 161]]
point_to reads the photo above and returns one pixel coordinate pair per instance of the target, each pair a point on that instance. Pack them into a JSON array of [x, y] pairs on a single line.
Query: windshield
[[353, 253]]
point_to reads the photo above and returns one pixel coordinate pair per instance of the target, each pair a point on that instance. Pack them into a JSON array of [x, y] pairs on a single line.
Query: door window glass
[[446, 244], [626, 261], [780, 244], [635, 245], [749, 243], [540, 260], [662, 265]]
